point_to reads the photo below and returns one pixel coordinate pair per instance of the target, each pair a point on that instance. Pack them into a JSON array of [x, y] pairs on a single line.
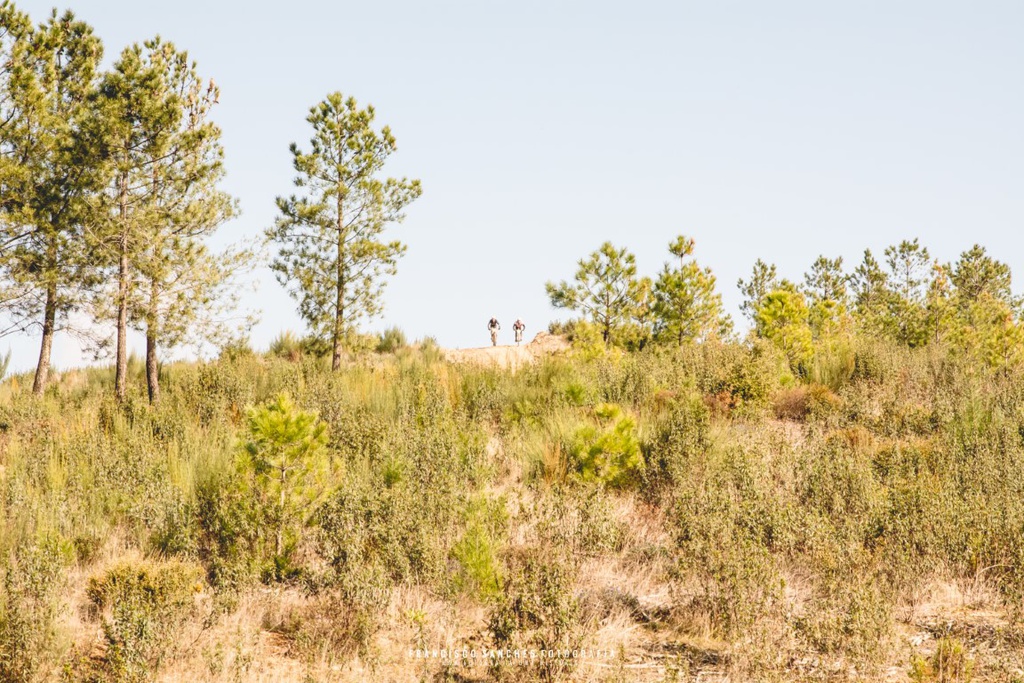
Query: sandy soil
[[510, 356]]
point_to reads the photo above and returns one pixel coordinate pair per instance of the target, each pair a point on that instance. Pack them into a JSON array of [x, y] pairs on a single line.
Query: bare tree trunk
[[121, 372], [279, 547], [49, 322], [152, 370], [339, 307], [121, 361]]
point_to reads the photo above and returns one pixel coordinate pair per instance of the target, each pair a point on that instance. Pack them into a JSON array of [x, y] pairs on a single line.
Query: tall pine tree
[[51, 171], [162, 204], [332, 256]]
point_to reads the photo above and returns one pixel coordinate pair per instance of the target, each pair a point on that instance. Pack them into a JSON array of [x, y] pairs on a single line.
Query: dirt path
[[510, 356]]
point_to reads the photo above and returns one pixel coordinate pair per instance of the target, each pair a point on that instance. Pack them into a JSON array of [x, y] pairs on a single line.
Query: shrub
[[144, 607], [681, 436], [283, 460], [851, 612], [801, 402], [286, 345], [537, 611], [949, 664], [33, 578], [236, 349], [391, 340], [724, 529], [476, 553], [609, 451]]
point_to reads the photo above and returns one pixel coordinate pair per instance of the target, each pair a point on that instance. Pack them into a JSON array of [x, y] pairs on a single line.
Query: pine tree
[[186, 290], [976, 273], [909, 267], [605, 290], [763, 279], [782, 318], [285, 457], [686, 305], [137, 114], [331, 254], [162, 204], [871, 294], [825, 286], [51, 171]]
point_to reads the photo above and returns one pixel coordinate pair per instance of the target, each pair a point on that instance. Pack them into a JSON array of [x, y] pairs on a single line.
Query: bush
[[537, 611], [725, 527], [286, 345], [144, 606], [949, 664], [802, 402], [33, 578], [609, 451], [681, 436], [851, 612], [391, 340], [480, 572], [285, 465]]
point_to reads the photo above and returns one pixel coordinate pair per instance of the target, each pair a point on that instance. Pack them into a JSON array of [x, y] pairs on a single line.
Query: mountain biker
[[518, 328], [493, 327]]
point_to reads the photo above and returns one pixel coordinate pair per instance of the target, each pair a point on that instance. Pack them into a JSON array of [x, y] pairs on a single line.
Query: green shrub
[[391, 340], [284, 463], [477, 551], [286, 345], [682, 435], [725, 527], [538, 611], [851, 613], [33, 578], [144, 606], [608, 451], [950, 664]]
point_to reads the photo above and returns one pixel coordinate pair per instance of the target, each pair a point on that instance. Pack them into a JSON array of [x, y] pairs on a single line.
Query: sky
[[540, 129]]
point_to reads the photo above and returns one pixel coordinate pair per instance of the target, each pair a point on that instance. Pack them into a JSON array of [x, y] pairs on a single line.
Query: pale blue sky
[[779, 130]]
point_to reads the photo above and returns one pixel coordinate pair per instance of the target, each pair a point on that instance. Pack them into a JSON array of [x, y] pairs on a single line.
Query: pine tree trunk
[[49, 322], [339, 307], [279, 546], [121, 360], [152, 371]]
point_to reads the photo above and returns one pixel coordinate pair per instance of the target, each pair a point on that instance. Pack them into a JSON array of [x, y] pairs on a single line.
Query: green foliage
[[144, 607], [391, 340], [950, 663], [686, 306], [520, 493], [477, 552], [537, 611], [285, 461], [286, 345], [177, 291], [51, 169], [726, 525], [976, 273], [782, 318], [605, 291], [683, 436], [608, 451], [33, 578], [763, 280], [330, 251]]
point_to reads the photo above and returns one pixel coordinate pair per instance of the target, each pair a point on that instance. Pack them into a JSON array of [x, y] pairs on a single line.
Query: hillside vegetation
[[669, 513]]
